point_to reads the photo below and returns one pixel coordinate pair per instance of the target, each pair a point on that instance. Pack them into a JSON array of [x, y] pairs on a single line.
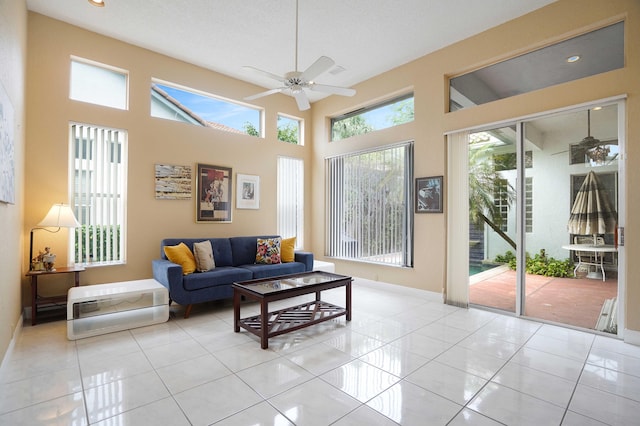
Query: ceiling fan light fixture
[[593, 149], [297, 82]]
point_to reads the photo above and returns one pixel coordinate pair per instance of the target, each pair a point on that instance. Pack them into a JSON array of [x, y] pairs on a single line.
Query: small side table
[[37, 300]]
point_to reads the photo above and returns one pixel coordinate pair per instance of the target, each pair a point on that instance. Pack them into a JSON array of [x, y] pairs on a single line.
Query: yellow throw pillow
[[287, 246], [181, 255]]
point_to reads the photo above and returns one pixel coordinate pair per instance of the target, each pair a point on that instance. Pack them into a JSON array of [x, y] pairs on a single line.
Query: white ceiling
[[366, 37]]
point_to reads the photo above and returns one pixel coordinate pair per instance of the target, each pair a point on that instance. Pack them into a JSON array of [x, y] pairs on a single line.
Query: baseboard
[[16, 335], [632, 337]]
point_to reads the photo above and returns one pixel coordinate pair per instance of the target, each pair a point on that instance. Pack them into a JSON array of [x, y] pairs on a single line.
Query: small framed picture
[[247, 191], [429, 194], [214, 200]]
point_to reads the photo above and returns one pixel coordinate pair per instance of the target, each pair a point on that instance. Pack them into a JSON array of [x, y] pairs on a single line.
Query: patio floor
[[571, 301]]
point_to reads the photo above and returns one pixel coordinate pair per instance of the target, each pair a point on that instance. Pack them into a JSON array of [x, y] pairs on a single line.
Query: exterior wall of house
[[13, 64], [150, 141], [427, 77]]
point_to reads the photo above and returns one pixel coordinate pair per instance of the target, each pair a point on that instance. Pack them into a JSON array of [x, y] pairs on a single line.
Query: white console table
[[105, 308]]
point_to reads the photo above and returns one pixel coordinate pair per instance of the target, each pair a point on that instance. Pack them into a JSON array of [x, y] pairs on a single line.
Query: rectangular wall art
[[173, 182], [214, 194], [248, 191], [429, 194], [7, 166]]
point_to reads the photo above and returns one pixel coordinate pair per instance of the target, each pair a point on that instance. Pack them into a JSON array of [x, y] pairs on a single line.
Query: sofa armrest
[[168, 274], [305, 257]]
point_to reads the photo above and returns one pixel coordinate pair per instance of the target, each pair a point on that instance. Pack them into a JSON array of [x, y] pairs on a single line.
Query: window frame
[[300, 132], [195, 118], [336, 237], [84, 241], [367, 109], [290, 181], [103, 67]]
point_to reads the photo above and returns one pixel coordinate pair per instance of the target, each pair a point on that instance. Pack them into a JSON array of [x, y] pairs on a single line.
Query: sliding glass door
[[492, 218], [537, 245]]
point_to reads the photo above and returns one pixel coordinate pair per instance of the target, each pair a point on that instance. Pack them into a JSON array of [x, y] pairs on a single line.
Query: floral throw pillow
[[268, 251]]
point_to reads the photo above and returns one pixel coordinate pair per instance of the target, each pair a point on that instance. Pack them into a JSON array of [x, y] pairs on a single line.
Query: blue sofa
[[235, 261]]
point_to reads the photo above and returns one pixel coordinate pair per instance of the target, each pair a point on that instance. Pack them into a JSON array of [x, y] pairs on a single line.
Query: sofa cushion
[[220, 276], [181, 254], [273, 270], [203, 254], [268, 251], [287, 249]]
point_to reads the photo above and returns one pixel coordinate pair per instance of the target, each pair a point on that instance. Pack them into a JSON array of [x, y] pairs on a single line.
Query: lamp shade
[[60, 216]]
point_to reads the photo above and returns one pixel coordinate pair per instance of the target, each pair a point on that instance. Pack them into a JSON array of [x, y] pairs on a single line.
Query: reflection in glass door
[[492, 219], [569, 273], [563, 284]]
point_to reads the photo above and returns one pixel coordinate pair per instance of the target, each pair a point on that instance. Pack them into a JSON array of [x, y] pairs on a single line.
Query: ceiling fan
[[594, 149], [295, 82]]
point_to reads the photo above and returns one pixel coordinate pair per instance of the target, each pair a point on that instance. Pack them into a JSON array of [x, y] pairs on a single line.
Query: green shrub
[[540, 264]]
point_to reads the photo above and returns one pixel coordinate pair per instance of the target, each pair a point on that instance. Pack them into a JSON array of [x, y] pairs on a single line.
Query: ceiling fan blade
[[302, 100], [334, 90], [261, 94], [264, 73], [322, 64]]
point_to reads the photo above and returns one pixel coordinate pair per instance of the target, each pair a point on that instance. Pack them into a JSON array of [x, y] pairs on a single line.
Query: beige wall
[[151, 141], [13, 64], [428, 78]]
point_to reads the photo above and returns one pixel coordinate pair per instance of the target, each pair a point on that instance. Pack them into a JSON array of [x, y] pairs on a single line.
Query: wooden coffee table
[[296, 317]]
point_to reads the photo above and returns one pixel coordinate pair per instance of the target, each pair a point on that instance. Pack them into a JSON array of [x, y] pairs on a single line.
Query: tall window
[[376, 117], [98, 84], [98, 170], [370, 208], [291, 199]]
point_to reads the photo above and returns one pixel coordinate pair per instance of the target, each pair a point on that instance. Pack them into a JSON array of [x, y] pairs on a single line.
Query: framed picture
[[429, 194], [173, 182], [214, 200], [247, 191]]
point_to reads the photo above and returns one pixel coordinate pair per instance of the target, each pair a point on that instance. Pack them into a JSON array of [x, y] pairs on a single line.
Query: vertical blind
[[370, 215], [457, 281], [291, 199], [98, 185]]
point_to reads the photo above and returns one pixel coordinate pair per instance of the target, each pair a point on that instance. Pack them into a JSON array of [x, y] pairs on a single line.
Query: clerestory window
[[376, 117]]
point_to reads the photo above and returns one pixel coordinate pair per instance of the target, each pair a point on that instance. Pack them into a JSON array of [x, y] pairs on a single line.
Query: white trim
[[632, 337], [622, 209], [7, 355], [528, 117]]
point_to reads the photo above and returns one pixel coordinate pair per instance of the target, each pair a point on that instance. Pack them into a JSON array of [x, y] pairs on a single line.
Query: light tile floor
[[406, 358]]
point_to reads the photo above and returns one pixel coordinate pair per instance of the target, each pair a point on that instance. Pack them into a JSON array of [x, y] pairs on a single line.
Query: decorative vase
[[48, 260]]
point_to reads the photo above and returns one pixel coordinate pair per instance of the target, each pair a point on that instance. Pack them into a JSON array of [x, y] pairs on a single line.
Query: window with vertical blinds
[[98, 182], [370, 205], [291, 199]]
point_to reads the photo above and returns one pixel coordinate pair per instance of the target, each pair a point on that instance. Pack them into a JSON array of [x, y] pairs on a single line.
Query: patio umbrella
[[592, 212]]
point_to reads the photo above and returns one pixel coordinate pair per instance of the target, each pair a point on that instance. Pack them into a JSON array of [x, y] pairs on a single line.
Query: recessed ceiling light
[[98, 3], [574, 58]]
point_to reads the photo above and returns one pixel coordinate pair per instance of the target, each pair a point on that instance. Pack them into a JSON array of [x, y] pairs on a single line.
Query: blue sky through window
[[215, 110]]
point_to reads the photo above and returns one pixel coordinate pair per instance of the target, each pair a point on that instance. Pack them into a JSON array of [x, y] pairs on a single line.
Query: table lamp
[[59, 216]]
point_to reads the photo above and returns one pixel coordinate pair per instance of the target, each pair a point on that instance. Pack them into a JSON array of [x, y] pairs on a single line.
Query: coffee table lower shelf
[[293, 318]]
